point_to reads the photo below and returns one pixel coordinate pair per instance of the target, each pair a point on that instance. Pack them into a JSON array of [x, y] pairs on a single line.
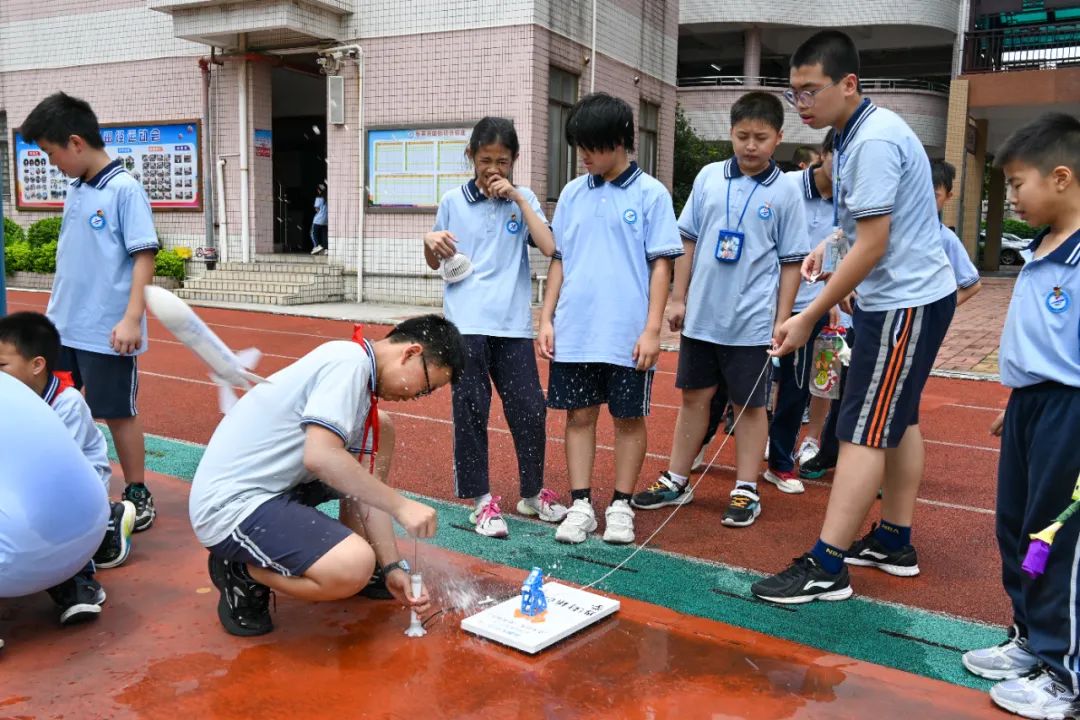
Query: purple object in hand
[[1035, 560]]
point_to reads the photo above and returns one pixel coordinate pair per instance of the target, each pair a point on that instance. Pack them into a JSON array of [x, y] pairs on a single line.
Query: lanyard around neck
[[745, 206]]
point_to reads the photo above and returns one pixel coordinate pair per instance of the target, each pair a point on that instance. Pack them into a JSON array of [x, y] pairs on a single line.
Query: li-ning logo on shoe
[[875, 555], [824, 584]]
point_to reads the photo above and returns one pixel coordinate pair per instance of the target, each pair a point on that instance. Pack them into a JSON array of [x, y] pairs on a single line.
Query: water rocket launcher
[[1039, 549], [533, 602]]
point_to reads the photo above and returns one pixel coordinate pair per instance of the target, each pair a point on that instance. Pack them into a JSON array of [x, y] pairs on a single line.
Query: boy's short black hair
[[943, 174], [757, 105], [804, 154], [58, 117], [827, 143], [33, 335], [492, 130], [600, 122], [440, 338], [833, 50], [1045, 143]]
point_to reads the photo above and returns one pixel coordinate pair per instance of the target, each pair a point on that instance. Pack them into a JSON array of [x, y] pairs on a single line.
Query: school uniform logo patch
[[97, 220], [765, 211], [1058, 300], [513, 226], [629, 216]]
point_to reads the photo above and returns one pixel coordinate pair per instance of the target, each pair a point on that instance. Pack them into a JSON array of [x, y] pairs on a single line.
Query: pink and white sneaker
[[489, 520], [544, 506]]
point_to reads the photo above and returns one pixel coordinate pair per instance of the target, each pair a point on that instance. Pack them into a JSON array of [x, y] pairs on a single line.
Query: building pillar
[[956, 152], [974, 167], [995, 215], [752, 55]]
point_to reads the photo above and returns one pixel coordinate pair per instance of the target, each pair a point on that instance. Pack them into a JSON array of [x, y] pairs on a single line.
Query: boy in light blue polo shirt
[[104, 260], [968, 282], [1037, 665], [615, 237], [906, 298], [744, 236], [493, 222]]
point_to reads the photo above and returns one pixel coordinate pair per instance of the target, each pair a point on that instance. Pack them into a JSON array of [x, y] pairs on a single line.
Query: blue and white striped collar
[[624, 180], [51, 390], [371, 355], [766, 177], [100, 180], [810, 188], [473, 195], [843, 136], [1067, 254]]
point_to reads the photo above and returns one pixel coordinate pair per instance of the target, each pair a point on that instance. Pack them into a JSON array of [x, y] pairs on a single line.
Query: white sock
[[679, 480], [482, 500]]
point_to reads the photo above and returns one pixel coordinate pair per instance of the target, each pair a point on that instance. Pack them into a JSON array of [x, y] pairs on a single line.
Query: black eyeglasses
[[805, 98], [427, 378]]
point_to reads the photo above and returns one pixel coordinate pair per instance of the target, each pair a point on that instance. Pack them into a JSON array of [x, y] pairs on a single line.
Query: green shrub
[[44, 231], [43, 258], [13, 232], [18, 257], [1018, 228], [169, 264]]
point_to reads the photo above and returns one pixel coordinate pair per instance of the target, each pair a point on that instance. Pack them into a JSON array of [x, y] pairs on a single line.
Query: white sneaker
[[317, 249], [699, 462], [580, 520], [619, 527], [1038, 695], [545, 506], [808, 450], [489, 520], [1008, 661]]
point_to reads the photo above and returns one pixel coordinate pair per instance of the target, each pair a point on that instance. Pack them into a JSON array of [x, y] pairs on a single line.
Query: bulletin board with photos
[[409, 169], [163, 157]]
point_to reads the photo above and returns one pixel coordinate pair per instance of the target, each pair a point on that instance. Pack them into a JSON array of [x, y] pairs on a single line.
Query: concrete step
[[212, 282], [241, 296], [301, 258], [271, 276], [291, 267]]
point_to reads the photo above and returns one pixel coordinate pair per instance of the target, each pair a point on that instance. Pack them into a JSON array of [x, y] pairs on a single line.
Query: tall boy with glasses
[[884, 201]]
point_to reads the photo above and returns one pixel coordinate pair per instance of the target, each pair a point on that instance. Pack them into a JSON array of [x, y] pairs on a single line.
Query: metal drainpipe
[[245, 193]]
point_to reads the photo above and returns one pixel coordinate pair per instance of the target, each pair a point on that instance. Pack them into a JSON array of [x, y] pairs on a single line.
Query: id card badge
[[729, 246], [836, 248]]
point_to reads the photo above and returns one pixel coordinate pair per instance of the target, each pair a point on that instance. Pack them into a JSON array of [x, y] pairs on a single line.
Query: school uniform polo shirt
[[881, 168], [257, 451], [734, 303], [496, 298], [819, 223], [963, 269], [607, 234], [1041, 339], [71, 406], [107, 220]]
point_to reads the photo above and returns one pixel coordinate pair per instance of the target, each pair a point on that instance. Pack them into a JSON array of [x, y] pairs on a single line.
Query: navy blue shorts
[[286, 534], [888, 371], [736, 371], [111, 381], [626, 391]]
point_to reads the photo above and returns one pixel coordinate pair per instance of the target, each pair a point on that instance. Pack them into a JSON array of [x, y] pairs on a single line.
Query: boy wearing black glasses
[[885, 209], [292, 443]]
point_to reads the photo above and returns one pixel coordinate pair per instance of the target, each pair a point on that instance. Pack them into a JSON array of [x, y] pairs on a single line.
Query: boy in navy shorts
[[104, 259], [1039, 464], [907, 295], [615, 237], [744, 236], [292, 443]]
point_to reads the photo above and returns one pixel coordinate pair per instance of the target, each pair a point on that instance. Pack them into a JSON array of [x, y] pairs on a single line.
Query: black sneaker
[[244, 606], [662, 493], [869, 552], [744, 508], [79, 598], [116, 545], [803, 582], [376, 588], [140, 497], [816, 467]]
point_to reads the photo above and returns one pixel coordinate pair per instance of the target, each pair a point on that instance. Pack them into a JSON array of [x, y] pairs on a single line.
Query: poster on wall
[[164, 157], [413, 168]]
